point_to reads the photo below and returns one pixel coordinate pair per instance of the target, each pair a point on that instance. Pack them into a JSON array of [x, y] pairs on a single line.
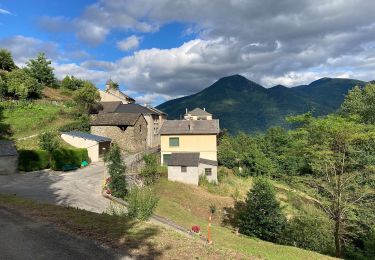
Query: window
[[140, 128], [183, 169], [208, 171], [174, 142], [166, 158]]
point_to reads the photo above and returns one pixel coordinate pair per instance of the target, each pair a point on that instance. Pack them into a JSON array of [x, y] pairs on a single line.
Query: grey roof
[[7, 148], [156, 110], [209, 162], [199, 112], [184, 159], [115, 119], [108, 107], [109, 82], [171, 127], [134, 108], [88, 136]]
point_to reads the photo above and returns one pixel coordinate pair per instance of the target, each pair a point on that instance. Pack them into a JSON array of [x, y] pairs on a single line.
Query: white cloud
[[3, 11], [130, 43]]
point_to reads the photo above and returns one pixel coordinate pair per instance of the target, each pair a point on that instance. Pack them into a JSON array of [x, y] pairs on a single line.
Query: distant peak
[[278, 87]]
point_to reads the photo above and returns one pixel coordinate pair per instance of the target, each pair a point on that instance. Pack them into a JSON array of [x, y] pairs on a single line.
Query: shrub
[[141, 203], [311, 230], [150, 173], [48, 141], [63, 156], [116, 169], [262, 216], [33, 160]]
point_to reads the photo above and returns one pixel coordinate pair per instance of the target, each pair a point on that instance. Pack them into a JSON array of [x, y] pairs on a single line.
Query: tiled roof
[[171, 127], [108, 107], [88, 136], [184, 159], [199, 112], [209, 162], [7, 148], [134, 108], [115, 119]]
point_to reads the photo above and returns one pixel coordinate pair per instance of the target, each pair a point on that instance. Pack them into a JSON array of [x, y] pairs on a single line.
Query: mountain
[[243, 105]]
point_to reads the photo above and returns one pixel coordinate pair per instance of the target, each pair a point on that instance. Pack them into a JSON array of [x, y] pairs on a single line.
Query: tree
[[22, 85], [72, 83], [339, 177], [262, 216], [48, 141], [41, 69], [150, 172], [360, 103], [6, 60], [87, 97], [116, 169], [3, 89]]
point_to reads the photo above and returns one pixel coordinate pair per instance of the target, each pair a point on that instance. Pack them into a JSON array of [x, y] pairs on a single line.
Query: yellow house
[[189, 136]]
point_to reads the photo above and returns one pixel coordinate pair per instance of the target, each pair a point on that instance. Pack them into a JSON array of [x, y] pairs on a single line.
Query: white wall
[[188, 177], [91, 146], [213, 177]]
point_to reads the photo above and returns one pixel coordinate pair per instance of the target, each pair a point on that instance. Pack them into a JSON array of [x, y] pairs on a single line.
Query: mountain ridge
[[244, 105]]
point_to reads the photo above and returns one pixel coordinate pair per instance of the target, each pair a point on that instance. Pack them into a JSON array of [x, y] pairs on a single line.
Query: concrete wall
[[8, 165], [213, 176], [132, 139], [203, 144], [188, 177], [92, 146]]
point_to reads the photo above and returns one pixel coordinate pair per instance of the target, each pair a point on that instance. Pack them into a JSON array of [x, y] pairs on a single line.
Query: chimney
[[204, 109], [186, 111]]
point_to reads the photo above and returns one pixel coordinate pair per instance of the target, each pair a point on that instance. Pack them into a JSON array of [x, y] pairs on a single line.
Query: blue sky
[[162, 49]]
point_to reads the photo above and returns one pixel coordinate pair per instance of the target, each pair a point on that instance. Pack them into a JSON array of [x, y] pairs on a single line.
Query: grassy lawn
[[141, 240], [188, 206]]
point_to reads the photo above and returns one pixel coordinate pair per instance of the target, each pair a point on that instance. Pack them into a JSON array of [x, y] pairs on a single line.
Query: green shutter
[[174, 141]]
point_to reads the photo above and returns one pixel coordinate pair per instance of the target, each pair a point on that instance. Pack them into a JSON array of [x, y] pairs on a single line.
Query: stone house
[[153, 117], [188, 167], [113, 94], [96, 145], [128, 130], [197, 114], [8, 158]]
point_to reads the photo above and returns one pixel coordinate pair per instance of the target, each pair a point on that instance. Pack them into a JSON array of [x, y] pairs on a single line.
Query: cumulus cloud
[[271, 42], [130, 43]]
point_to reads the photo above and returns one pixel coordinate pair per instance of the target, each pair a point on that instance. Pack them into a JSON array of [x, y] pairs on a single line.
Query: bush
[[48, 141], [150, 173], [63, 156], [32, 160], [262, 216], [311, 230], [141, 203]]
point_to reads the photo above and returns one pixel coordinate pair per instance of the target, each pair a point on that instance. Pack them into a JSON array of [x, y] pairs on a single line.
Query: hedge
[[33, 160], [63, 156]]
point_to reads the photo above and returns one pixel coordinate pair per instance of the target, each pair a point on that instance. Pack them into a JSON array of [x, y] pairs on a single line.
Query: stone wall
[[132, 139]]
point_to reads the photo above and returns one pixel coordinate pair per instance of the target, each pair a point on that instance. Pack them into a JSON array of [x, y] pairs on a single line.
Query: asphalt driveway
[[80, 188], [23, 238]]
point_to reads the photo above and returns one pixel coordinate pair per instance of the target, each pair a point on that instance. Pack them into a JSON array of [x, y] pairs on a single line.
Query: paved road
[[80, 188], [23, 238]]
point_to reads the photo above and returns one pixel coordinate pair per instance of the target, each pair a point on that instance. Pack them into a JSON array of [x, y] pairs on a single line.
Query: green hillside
[[243, 105]]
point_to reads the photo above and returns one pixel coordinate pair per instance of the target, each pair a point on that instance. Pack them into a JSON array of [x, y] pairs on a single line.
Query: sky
[[162, 49]]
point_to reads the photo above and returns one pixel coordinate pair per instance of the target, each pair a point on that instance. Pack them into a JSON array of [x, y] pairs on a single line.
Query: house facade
[[154, 117], [113, 94], [188, 167], [197, 114], [189, 136], [128, 130]]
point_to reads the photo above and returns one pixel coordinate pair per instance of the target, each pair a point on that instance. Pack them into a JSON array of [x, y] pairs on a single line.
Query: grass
[[142, 240], [188, 206]]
